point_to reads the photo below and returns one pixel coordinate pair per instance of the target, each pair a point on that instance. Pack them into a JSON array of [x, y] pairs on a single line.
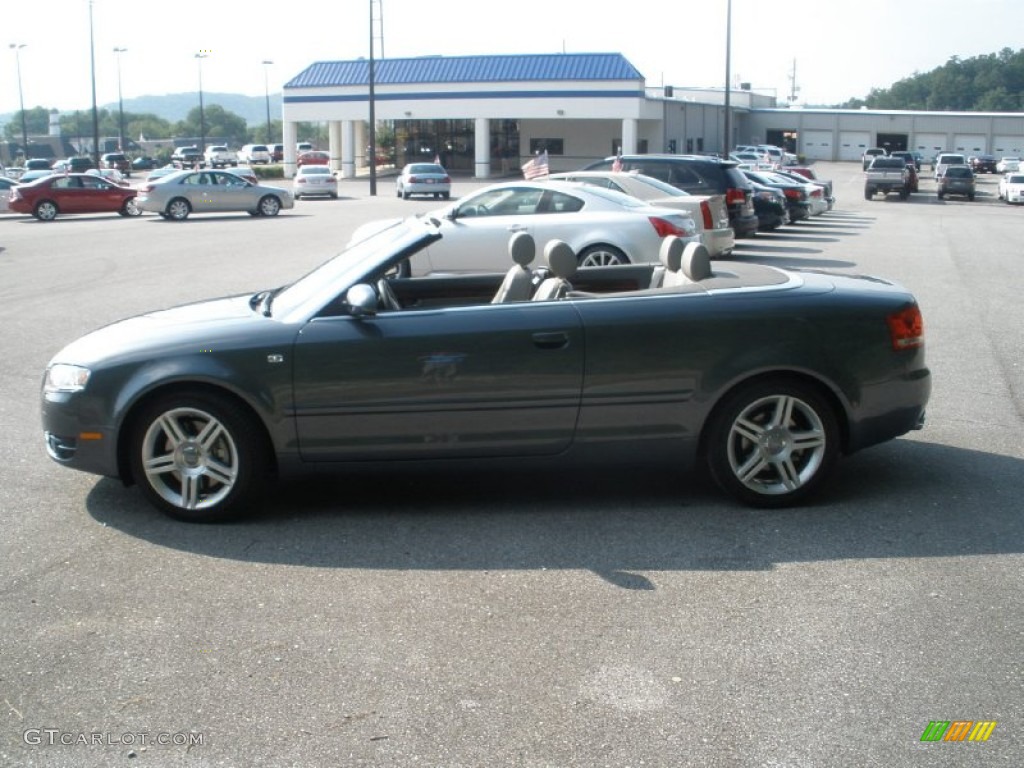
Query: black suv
[[698, 175]]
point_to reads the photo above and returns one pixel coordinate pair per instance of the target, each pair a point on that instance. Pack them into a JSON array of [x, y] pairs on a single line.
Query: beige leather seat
[[518, 282], [561, 260]]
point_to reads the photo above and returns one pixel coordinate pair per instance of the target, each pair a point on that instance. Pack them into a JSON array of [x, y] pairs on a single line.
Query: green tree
[[217, 121], [37, 123]]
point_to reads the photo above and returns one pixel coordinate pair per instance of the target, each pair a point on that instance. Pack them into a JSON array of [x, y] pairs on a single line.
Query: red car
[[56, 194], [315, 157]]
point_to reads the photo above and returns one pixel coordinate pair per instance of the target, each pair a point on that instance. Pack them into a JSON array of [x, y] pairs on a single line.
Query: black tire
[[971, 197], [772, 443], [192, 475], [269, 206], [405, 195], [446, 195], [868, 193], [601, 256], [178, 209], [46, 210], [941, 194]]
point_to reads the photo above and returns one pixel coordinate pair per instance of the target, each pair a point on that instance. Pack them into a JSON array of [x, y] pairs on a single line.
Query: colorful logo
[[958, 730]]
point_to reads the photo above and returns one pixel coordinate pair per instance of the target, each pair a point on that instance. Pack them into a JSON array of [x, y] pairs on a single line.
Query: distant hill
[[175, 106]]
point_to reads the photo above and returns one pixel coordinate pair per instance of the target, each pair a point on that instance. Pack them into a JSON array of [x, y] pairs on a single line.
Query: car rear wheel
[[178, 209], [772, 443], [46, 210], [198, 456], [269, 206], [602, 256]]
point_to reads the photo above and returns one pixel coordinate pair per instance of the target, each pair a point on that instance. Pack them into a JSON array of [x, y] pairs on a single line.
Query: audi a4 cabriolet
[[761, 376]]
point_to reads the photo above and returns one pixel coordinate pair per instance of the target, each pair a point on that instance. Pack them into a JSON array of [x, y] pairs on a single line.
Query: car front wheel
[[772, 443], [198, 456], [46, 210], [130, 208], [269, 206], [602, 256]]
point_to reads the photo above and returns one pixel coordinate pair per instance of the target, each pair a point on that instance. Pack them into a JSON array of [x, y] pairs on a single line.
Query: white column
[[334, 143], [482, 153], [289, 132], [629, 131], [348, 149], [360, 145]]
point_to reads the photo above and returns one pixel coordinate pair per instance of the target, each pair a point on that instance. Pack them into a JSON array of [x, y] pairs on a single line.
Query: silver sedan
[[182, 193]]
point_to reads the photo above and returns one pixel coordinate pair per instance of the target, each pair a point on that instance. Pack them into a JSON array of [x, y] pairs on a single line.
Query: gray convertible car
[[763, 376]]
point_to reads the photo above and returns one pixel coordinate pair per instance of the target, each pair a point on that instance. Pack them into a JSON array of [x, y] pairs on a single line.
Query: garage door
[[852, 144], [970, 143], [816, 145], [929, 144], [1008, 145]]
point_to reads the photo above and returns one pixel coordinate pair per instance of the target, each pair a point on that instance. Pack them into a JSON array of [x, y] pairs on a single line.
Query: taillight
[[665, 227], [735, 195], [301, 180], [705, 212], [906, 328], [817, 192], [793, 194], [413, 180]]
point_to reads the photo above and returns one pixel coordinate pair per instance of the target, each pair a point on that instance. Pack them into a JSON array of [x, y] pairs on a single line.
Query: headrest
[[671, 253], [696, 262], [561, 258], [522, 248]]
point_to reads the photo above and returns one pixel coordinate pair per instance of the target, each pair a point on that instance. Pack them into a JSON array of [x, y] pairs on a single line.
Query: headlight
[[66, 378]]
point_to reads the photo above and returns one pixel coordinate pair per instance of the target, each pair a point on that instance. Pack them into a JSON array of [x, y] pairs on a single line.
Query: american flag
[[617, 164], [537, 167]]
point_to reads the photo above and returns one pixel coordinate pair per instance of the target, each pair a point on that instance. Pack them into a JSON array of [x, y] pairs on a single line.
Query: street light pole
[[202, 119], [266, 91], [120, 102], [16, 47], [373, 120], [95, 111], [728, 76]]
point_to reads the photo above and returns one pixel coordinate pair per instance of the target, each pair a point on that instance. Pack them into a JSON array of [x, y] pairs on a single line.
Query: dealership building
[[487, 115]]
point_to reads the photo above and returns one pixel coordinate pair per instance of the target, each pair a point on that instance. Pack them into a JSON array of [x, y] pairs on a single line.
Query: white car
[[601, 226], [6, 185], [253, 154], [313, 180], [709, 212], [428, 179], [1008, 164], [1011, 188]]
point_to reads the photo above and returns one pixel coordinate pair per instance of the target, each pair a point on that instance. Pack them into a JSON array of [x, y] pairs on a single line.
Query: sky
[[839, 49]]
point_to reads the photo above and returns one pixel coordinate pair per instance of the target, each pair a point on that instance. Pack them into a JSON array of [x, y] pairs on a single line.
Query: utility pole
[[794, 89]]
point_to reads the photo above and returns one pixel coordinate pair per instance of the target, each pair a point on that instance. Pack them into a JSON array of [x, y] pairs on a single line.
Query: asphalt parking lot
[[508, 619]]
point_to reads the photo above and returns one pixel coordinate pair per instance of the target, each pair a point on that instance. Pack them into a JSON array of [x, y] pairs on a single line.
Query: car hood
[[201, 328]]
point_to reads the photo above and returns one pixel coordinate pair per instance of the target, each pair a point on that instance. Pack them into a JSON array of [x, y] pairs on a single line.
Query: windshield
[[314, 290]]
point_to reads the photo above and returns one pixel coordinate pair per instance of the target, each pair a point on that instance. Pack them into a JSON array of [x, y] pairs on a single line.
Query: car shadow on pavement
[[904, 499]]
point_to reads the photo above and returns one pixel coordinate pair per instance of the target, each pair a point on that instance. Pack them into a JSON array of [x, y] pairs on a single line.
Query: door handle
[[551, 340]]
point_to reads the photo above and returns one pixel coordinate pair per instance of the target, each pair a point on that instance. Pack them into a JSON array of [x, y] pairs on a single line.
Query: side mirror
[[362, 300]]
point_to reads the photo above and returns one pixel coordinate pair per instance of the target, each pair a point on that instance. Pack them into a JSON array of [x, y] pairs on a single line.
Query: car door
[[458, 382], [98, 195], [202, 194], [66, 192], [475, 237], [233, 193]]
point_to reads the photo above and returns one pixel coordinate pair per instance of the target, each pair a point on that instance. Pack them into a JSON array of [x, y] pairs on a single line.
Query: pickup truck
[[186, 157], [219, 156], [885, 175]]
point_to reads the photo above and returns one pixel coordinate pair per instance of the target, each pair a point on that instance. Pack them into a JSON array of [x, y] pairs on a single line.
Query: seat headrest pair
[[692, 259], [558, 255]]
